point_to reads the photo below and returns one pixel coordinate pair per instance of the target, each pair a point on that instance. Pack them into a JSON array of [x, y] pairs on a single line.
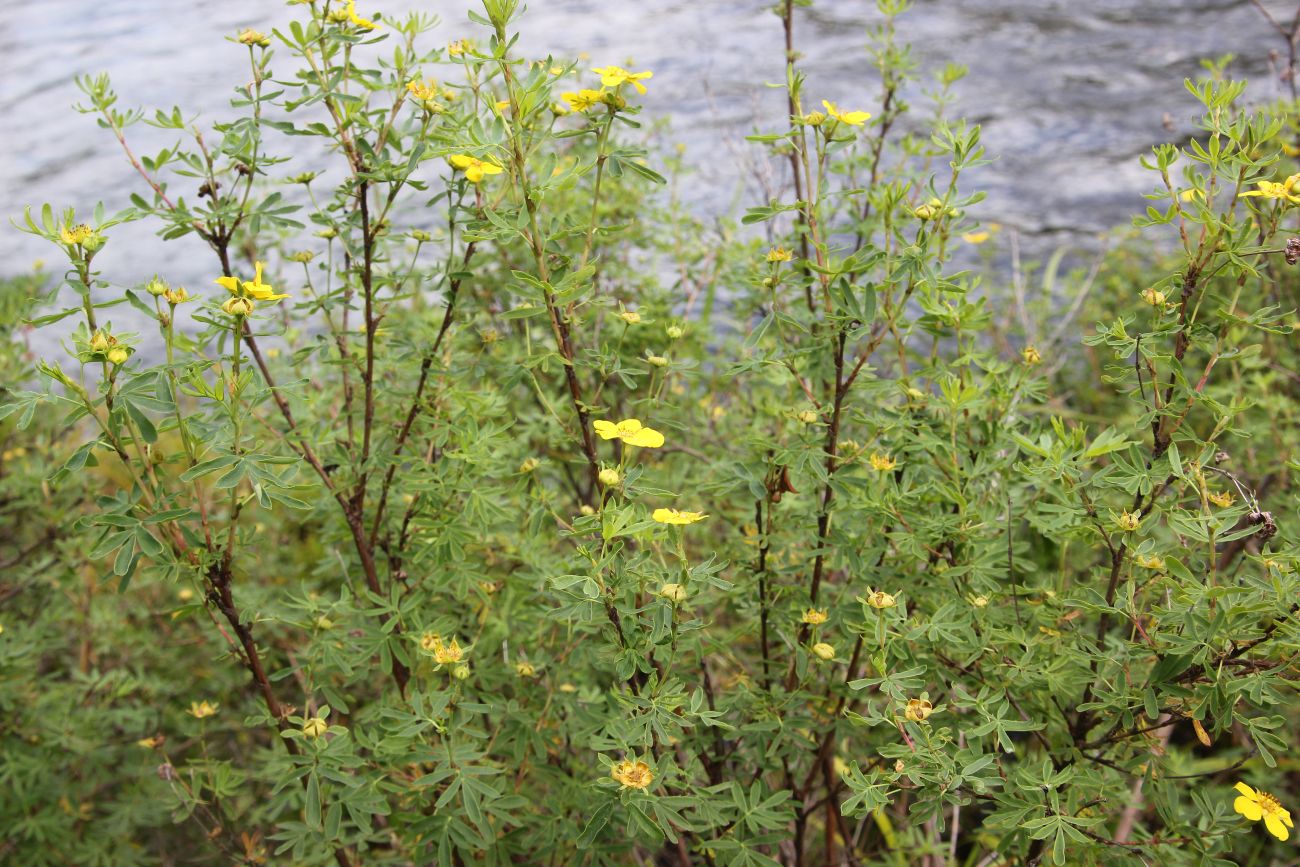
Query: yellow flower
[[609, 477], [880, 600], [656, 361], [201, 709], [813, 617], [77, 234], [672, 516], [1153, 296], [1128, 521], [425, 91], [630, 431], [1190, 195], [631, 317], [1256, 805], [119, 355], [356, 19], [1222, 499], [779, 254], [852, 118], [1153, 561], [808, 416], [443, 654], [975, 237], [460, 46], [525, 669], [1031, 356], [980, 601], [613, 76], [150, 743], [815, 118], [674, 593], [583, 99], [474, 167], [500, 105], [918, 710], [824, 651], [529, 465], [251, 37], [633, 774], [314, 728], [1274, 190], [881, 462], [100, 342], [254, 288]]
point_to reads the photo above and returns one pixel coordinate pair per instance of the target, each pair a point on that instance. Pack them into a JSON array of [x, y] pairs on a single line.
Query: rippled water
[[1069, 92]]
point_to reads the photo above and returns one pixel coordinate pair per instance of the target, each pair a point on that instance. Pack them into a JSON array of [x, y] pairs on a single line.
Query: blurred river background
[[1070, 93]]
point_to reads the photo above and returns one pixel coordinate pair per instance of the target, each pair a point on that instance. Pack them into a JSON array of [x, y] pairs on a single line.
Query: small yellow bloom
[[583, 99], [1273, 190], [975, 238], [475, 168], [1191, 194], [1031, 356], [201, 709], [1152, 561], [673, 516], [633, 774], [500, 105], [631, 317], [779, 254], [425, 91], [1153, 296], [525, 669], [1222, 499], [1128, 521], [882, 463], [185, 594], [357, 20], [807, 416], [443, 654], [918, 710], [119, 355], [150, 743], [674, 593], [814, 617], [100, 342], [852, 118], [251, 37], [255, 288], [815, 118], [314, 728], [630, 431], [979, 601], [880, 600], [824, 651], [529, 465], [609, 477], [460, 46], [1256, 805], [613, 76], [77, 234]]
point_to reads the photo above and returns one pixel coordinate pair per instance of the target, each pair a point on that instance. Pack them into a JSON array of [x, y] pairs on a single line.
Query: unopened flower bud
[[609, 477]]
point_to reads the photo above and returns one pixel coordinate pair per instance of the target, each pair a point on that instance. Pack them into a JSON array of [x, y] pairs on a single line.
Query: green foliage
[[348, 558]]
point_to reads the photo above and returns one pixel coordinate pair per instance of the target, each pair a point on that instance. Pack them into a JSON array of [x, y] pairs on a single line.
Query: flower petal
[[1246, 790], [606, 430], [230, 283], [1275, 827], [1248, 808], [646, 438]]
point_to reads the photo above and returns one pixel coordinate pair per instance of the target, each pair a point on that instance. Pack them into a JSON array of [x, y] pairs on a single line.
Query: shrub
[[489, 509]]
